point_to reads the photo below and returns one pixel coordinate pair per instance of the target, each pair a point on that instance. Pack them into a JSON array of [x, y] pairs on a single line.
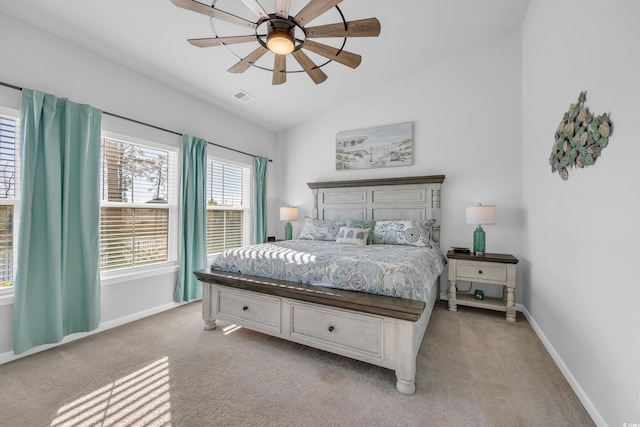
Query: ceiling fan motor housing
[[281, 38]]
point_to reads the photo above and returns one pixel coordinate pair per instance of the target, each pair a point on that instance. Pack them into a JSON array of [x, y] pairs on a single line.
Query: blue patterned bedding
[[393, 270]]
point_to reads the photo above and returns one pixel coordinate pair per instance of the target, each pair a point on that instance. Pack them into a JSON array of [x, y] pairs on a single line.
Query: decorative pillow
[[403, 232], [353, 236], [428, 225], [318, 229], [358, 223]]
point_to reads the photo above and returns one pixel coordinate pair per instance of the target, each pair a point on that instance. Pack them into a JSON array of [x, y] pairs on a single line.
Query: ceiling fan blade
[[217, 41], [198, 7], [279, 70], [246, 62], [282, 8], [342, 56], [361, 28], [316, 74], [255, 7], [313, 9]]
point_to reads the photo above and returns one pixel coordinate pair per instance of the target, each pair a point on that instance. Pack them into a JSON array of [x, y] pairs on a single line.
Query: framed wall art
[[377, 147]]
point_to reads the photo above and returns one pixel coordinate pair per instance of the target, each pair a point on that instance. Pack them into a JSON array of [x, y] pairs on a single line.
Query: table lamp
[[288, 214], [480, 215]]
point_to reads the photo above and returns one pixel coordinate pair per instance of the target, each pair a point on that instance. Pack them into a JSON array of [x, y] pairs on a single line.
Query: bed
[[323, 306]]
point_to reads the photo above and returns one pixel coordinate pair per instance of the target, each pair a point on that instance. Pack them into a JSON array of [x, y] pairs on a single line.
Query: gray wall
[[581, 235]]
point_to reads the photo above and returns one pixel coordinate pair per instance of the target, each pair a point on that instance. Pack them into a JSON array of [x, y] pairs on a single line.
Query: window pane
[[133, 173], [6, 246], [133, 236], [224, 230], [227, 187], [224, 184], [8, 142]]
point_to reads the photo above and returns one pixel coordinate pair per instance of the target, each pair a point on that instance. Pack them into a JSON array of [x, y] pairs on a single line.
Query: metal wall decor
[[580, 138]]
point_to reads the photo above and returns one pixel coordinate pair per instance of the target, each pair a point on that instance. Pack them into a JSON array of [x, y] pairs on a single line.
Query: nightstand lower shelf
[[491, 303]]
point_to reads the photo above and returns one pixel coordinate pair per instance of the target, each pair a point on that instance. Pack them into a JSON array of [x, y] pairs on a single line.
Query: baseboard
[[9, 356], [573, 382]]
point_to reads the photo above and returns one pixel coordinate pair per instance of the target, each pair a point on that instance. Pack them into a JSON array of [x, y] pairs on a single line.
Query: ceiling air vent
[[243, 96]]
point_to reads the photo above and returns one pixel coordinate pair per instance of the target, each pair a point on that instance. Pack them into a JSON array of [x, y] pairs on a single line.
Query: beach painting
[[379, 147]]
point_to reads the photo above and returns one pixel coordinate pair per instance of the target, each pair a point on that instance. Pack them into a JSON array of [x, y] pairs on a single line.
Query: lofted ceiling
[[149, 36]]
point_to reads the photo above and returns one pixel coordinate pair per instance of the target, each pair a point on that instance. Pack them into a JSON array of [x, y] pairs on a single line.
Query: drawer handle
[[245, 308], [479, 271], [330, 328]]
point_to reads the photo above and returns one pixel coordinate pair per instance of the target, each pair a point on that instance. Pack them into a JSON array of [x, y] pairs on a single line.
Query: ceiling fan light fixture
[[282, 33], [280, 42]]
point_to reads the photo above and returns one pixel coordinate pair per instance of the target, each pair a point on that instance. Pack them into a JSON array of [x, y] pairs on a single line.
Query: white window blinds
[[137, 204], [228, 192]]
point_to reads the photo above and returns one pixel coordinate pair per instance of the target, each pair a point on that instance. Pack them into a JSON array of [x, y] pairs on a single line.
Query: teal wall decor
[[580, 138]]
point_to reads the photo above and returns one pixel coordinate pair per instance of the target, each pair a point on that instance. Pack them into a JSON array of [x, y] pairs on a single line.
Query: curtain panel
[[57, 285], [193, 235], [260, 199]]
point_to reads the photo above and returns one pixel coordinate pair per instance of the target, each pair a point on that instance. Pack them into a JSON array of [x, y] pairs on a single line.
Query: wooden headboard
[[415, 198]]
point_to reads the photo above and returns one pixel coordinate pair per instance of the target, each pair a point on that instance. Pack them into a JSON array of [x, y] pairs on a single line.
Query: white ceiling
[[149, 36]]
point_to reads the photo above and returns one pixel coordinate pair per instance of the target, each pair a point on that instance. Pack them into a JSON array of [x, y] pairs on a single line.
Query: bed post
[[207, 306], [406, 352], [314, 209]]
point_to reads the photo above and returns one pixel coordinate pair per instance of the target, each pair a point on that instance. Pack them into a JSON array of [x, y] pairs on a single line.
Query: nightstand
[[495, 269]]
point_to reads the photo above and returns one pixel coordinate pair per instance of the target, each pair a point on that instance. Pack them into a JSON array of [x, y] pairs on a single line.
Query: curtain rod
[[148, 125]]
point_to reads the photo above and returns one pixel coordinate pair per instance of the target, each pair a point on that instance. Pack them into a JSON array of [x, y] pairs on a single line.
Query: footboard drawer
[[359, 333], [259, 310]]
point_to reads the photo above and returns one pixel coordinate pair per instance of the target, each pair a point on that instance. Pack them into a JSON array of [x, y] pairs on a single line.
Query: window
[[9, 139], [138, 206], [227, 206]]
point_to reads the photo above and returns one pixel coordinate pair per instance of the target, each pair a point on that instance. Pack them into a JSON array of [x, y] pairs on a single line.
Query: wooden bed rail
[[398, 308]]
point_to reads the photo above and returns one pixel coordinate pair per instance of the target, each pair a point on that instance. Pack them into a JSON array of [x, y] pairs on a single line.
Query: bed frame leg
[[207, 307], [406, 357], [405, 387], [209, 325]]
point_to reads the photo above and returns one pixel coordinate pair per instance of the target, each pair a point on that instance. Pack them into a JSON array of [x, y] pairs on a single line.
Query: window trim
[[248, 209], [175, 214], [14, 114]]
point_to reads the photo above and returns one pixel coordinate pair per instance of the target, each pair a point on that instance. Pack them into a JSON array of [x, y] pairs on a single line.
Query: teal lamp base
[[478, 241], [288, 231]]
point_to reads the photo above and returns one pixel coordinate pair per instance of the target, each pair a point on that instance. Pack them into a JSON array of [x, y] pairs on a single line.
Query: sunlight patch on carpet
[[230, 329], [139, 399]]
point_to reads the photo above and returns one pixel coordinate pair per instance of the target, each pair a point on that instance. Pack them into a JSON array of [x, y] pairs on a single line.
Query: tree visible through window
[[136, 204]]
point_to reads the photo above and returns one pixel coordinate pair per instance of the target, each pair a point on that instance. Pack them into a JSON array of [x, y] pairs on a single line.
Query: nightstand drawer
[[481, 271]]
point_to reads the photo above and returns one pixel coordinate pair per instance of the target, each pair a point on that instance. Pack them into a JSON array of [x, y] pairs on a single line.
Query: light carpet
[[474, 369]]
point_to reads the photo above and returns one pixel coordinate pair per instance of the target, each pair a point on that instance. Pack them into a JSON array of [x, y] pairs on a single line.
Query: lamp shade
[[481, 214], [288, 213]]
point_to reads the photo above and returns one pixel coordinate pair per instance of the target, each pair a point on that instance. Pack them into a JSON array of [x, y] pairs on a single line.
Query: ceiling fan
[[283, 34]]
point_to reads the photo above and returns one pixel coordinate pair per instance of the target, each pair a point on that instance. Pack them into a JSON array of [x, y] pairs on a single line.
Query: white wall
[[581, 234], [467, 126], [38, 60]]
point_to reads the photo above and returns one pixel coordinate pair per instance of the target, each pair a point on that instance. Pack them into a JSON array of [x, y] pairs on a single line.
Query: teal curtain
[[193, 254], [260, 199], [57, 285]]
